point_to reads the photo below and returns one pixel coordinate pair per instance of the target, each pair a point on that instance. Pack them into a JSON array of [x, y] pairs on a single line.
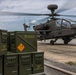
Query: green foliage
[[71, 63]]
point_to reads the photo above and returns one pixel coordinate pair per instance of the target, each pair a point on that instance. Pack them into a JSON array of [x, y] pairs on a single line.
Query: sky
[[14, 23]]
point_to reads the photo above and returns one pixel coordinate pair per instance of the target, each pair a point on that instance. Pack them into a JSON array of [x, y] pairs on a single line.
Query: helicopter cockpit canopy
[[62, 23], [73, 24], [66, 24], [71, 21]]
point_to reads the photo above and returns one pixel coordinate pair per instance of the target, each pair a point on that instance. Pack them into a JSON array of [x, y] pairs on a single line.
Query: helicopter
[[54, 28], [61, 28]]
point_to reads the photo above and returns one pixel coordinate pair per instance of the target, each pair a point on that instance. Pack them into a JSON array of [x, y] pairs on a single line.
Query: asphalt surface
[[58, 68], [50, 71], [58, 52]]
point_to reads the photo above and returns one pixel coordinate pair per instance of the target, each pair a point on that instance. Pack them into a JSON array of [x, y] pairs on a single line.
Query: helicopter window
[[71, 21], [66, 24], [58, 23]]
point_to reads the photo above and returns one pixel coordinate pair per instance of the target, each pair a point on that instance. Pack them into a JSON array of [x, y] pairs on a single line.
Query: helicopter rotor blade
[[69, 5], [66, 15], [31, 14], [69, 15], [43, 20], [34, 22], [21, 14]]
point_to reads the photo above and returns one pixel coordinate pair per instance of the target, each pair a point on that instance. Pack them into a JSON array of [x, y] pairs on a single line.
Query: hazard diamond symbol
[[21, 47]]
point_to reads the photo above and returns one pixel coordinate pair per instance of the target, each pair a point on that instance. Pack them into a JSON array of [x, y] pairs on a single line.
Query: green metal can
[[8, 42], [1, 65], [38, 62], [3, 42], [11, 64], [21, 41], [25, 64]]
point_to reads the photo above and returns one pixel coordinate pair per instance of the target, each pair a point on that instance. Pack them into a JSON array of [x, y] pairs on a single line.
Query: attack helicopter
[[54, 28]]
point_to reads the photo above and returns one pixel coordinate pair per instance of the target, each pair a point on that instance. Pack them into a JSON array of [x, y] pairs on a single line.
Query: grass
[[71, 63]]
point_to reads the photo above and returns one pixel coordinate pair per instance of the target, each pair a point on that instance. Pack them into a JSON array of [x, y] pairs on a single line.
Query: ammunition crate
[[38, 62], [11, 64], [1, 65], [25, 64], [3, 42], [8, 42], [21, 41]]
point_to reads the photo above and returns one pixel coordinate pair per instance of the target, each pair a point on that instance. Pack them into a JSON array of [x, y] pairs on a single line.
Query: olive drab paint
[[3, 42], [18, 53], [21, 41], [25, 64], [11, 64], [38, 62], [1, 65]]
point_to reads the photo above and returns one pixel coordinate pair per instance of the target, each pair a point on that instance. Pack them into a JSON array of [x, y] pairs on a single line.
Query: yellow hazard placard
[[21, 47]]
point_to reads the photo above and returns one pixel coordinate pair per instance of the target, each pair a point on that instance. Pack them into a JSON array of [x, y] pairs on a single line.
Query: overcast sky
[[31, 6]]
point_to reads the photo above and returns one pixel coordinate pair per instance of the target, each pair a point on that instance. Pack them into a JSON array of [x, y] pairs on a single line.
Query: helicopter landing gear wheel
[[52, 42], [65, 42]]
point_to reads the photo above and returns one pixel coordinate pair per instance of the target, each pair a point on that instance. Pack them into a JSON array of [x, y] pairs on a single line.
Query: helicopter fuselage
[[56, 29]]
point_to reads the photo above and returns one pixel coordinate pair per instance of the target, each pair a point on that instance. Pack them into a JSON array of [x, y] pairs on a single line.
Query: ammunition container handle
[[25, 63], [10, 64]]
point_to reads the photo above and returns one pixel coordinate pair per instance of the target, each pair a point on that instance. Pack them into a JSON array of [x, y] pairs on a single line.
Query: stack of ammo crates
[[22, 57]]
